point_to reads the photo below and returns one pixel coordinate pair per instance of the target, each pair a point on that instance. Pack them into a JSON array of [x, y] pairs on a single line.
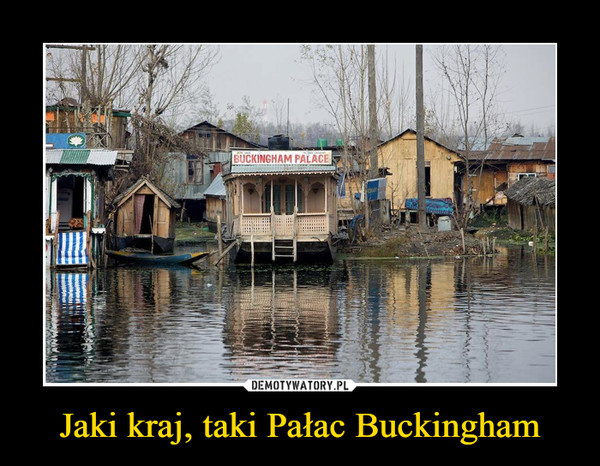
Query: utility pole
[[373, 165], [374, 170], [83, 92], [420, 140]]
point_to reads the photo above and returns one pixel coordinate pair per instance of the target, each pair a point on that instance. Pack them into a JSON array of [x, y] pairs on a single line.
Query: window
[[283, 193], [276, 199], [427, 181], [525, 175], [195, 170], [289, 199]]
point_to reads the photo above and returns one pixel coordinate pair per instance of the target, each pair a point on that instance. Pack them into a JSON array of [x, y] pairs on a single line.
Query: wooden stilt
[[224, 253], [252, 248], [55, 248], [219, 235]]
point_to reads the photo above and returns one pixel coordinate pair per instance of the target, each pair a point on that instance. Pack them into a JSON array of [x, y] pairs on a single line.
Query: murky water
[[470, 320]]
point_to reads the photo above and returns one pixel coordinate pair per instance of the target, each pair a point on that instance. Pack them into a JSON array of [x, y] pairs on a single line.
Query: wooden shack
[[282, 205], [105, 127], [144, 218], [399, 155], [531, 204], [508, 160]]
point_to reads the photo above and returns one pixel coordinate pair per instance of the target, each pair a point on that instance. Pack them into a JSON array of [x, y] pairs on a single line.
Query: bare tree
[[102, 76], [169, 82], [393, 96], [339, 74], [279, 106], [473, 73]]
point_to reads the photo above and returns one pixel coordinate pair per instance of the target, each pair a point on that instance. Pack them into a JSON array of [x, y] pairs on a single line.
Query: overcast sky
[[264, 72]]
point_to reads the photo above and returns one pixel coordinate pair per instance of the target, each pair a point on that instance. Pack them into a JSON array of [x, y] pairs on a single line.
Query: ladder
[[284, 248]]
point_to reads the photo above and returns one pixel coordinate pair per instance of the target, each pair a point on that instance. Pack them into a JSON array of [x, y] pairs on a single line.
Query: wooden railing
[[283, 225]]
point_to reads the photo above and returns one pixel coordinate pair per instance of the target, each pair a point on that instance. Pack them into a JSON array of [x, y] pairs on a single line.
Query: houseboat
[[281, 205]]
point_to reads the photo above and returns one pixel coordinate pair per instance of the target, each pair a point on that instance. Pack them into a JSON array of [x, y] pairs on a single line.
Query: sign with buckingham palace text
[[284, 157]]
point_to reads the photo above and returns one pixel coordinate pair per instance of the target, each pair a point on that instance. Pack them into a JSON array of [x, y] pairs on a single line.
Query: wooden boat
[[156, 259]]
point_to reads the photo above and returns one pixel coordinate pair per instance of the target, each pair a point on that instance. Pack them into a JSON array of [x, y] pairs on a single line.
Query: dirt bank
[[412, 242], [192, 233]]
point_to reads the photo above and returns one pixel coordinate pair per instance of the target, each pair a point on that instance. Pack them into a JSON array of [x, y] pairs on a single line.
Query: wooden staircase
[[284, 248]]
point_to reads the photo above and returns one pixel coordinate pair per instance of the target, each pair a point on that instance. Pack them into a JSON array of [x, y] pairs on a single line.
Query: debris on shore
[[414, 242]]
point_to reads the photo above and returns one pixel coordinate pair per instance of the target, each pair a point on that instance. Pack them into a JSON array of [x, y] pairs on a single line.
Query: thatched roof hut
[[531, 203], [530, 190]]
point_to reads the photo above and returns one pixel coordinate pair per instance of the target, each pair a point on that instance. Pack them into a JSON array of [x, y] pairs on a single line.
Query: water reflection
[[483, 320]]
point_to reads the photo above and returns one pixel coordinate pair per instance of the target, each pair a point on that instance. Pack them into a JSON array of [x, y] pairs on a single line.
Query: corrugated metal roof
[[521, 148], [216, 188], [81, 156], [269, 169]]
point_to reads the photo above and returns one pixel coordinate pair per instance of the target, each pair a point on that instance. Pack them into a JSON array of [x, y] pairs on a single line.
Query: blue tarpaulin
[[440, 206]]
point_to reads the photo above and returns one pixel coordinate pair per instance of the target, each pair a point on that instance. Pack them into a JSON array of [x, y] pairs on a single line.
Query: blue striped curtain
[[72, 248]]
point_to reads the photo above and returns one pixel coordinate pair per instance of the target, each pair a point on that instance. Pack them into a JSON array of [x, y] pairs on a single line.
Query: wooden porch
[[283, 232]]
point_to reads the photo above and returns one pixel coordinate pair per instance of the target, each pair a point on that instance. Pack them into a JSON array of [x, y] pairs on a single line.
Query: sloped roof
[[81, 156], [520, 148], [531, 190], [216, 187], [269, 169], [206, 124], [144, 181], [412, 131]]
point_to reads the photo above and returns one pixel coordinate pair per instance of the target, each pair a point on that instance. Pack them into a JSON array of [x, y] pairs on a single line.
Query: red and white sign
[[285, 157]]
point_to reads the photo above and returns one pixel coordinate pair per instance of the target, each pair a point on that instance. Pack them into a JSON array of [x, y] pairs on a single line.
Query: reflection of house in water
[[70, 326], [142, 289], [392, 309], [282, 314]]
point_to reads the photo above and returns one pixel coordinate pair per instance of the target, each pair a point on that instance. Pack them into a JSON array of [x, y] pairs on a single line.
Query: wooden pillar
[[326, 183], [219, 236], [242, 197], [252, 247]]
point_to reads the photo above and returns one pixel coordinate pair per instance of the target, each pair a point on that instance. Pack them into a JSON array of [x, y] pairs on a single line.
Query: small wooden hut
[[531, 204], [144, 218]]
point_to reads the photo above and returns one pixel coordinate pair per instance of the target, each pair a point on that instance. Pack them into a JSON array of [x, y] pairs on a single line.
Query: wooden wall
[[163, 220], [528, 217], [400, 156]]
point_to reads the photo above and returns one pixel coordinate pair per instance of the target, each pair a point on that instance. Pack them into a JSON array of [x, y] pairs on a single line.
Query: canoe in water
[[157, 259]]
